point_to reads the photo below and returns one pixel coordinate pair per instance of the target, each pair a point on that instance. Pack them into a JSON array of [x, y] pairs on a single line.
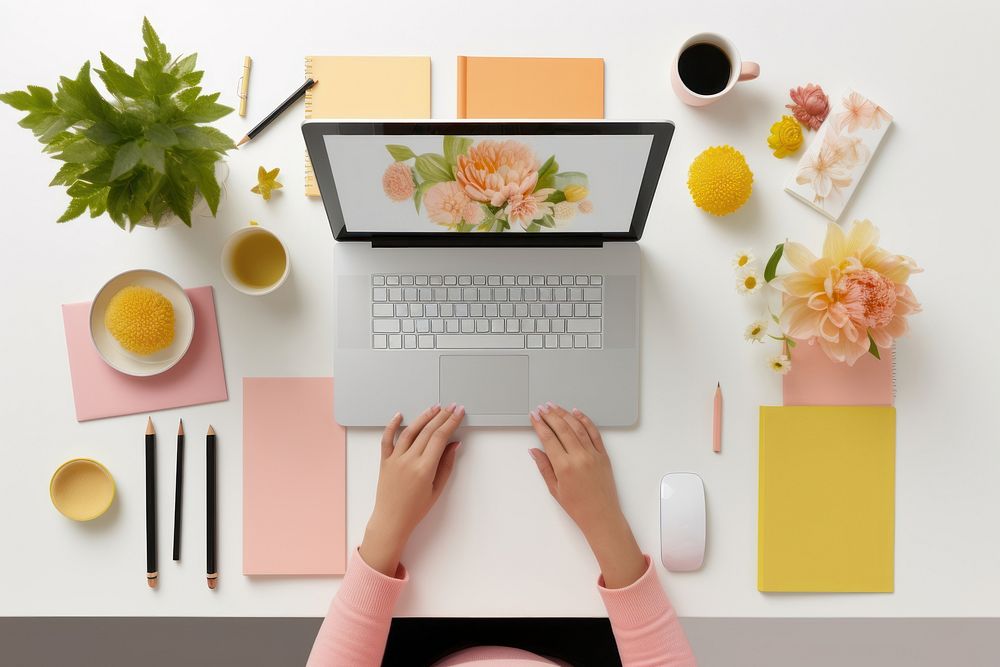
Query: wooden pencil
[[717, 420], [211, 502], [178, 487], [151, 572], [289, 101]]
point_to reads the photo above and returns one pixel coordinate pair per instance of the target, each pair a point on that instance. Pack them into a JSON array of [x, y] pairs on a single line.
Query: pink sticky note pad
[[816, 380], [101, 391], [294, 478]]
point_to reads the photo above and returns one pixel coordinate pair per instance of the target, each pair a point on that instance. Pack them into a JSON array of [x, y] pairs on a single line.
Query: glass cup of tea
[[255, 261], [708, 66]]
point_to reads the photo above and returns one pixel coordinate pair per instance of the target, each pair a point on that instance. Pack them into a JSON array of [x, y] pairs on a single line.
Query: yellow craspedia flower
[[140, 319], [575, 192], [720, 180], [786, 137]]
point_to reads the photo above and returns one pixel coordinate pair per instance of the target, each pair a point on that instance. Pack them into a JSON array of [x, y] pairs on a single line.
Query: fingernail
[[397, 415], [552, 406], [436, 406], [576, 411], [543, 408], [458, 445], [450, 407], [534, 456], [534, 415], [460, 411]]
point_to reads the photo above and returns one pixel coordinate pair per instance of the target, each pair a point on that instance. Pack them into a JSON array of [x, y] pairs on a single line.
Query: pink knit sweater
[[646, 627]]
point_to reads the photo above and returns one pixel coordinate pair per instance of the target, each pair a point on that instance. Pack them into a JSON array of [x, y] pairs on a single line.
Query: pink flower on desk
[[852, 295], [494, 171], [810, 105]]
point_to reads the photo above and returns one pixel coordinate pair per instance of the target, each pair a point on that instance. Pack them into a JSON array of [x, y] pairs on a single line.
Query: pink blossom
[[525, 209], [447, 204], [810, 105], [397, 182], [494, 171]]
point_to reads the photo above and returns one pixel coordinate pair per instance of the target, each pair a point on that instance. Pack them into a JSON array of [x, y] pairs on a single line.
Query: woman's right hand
[[577, 471]]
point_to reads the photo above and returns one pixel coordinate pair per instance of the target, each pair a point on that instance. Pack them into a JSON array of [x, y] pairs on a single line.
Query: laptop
[[493, 264]]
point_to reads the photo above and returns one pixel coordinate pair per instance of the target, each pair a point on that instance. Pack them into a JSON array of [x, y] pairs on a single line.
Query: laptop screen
[[474, 183]]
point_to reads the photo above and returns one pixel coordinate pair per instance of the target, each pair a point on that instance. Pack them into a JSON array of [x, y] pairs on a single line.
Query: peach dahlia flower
[[397, 182], [494, 171], [448, 205], [854, 289]]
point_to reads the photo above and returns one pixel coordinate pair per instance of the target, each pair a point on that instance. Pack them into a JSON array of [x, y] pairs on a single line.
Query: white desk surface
[[497, 544]]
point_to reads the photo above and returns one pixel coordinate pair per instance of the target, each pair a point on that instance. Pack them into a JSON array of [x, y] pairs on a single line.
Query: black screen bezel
[[313, 132]]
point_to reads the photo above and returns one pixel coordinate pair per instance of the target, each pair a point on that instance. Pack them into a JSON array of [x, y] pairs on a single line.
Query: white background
[[614, 166], [497, 544]]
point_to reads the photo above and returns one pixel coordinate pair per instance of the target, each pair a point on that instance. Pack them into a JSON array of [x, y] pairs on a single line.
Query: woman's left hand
[[415, 468]]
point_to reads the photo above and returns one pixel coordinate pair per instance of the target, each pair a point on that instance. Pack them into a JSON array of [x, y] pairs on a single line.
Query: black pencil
[[211, 502], [151, 573], [289, 101], [178, 485]]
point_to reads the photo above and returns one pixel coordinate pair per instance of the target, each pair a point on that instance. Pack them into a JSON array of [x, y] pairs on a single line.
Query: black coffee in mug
[[704, 68]]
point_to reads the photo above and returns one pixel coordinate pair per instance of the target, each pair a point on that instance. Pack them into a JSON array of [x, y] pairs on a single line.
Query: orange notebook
[[490, 87], [815, 380], [294, 478]]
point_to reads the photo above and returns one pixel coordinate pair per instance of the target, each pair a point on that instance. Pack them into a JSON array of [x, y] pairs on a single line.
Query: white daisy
[[780, 364], [756, 331], [748, 281], [743, 259]]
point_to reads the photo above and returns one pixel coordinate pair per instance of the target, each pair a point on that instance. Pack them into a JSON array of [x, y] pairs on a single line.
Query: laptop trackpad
[[486, 385]]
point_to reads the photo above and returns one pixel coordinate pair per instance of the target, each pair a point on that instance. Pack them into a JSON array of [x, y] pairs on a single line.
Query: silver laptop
[[492, 264]]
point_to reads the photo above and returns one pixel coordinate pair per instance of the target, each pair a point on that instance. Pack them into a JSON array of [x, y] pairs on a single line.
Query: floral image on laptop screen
[[488, 183], [486, 186]]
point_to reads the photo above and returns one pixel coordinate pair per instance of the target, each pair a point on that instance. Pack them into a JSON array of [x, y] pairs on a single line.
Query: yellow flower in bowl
[[786, 137]]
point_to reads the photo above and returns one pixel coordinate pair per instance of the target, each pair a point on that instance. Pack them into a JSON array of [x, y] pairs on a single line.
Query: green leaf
[[52, 127], [100, 174], [872, 347], [556, 197], [19, 99], [154, 79], [433, 167], [184, 66], [455, 146], [83, 190], [533, 227], [205, 110], [155, 50], [400, 153], [125, 160], [548, 168], [187, 96], [152, 156], [772, 264], [81, 151], [79, 99], [74, 210], [102, 133], [208, 185], [179, 194], [419, 193], [564, 179], [118, 200], [192, 79], [195, 136], [67, 174], [161, 135], [546, 221], [98, 203], [119, 82]]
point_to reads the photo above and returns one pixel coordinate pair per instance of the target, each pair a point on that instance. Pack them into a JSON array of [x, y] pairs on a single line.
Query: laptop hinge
[[483, 241]]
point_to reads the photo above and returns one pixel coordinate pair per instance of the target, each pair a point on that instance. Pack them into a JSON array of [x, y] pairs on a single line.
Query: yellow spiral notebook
[[826, 499], [366, 87]]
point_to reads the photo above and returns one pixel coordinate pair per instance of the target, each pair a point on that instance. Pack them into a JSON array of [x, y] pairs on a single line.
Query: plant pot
[[199, 211]]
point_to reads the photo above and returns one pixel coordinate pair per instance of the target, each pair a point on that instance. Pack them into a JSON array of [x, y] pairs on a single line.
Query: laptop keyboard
[[487, 312]]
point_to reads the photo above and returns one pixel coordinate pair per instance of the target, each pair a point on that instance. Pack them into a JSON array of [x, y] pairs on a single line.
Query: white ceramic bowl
[[111, 350]]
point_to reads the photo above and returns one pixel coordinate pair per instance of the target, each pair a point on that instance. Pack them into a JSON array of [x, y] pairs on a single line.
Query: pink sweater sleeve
[[355, 629], [646, 627]]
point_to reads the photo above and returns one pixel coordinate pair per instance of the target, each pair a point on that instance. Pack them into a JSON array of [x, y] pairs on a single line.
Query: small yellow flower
[[743, 259], [756, 331], [748, 282], [720, 180], [780, 364], [786, 137], [267, 182], [575, 192]]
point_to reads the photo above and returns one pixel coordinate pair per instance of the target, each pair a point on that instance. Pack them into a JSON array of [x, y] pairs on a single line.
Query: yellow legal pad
[[826, 496]]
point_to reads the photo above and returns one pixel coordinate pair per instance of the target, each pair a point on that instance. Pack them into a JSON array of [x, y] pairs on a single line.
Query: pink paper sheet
[[294, 478], [815, 380], [101, 391]]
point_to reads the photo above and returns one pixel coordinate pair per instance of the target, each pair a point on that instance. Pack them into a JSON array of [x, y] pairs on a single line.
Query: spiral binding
[[311, 187]]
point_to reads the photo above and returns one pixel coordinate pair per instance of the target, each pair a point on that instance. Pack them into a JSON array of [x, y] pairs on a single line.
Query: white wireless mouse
[[682, 521]]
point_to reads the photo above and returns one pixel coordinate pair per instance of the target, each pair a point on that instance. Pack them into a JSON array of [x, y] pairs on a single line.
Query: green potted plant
[[144, 155]]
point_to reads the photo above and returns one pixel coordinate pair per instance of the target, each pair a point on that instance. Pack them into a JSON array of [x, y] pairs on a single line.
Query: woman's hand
[[577, 470], [415, 468]]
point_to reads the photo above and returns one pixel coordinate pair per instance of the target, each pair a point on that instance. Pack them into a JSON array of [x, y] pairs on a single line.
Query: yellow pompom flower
[[720, 180], [140, 319], [786, 137], [575, 192]]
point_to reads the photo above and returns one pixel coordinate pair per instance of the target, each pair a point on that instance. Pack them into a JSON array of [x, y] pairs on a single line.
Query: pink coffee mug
[[739, 70]]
